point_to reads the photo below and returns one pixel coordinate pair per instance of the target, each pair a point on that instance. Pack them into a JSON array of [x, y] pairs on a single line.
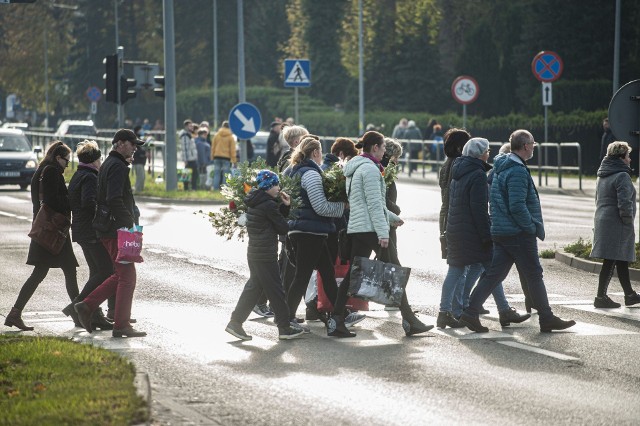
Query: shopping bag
[[353, 303], [377, 281], [129, 245], [50, 229], [312, 289]]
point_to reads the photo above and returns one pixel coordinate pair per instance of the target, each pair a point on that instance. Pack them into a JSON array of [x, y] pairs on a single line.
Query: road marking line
[[157, 251], [7, 214], [177, 256], [626, 313], [539, 351]]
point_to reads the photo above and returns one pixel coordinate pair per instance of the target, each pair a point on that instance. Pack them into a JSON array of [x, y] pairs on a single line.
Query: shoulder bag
[[49, 229]]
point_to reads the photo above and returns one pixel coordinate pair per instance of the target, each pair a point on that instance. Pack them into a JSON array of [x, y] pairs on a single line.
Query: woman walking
[[369, 225], [83, 190], [48, 181], [613, 235]]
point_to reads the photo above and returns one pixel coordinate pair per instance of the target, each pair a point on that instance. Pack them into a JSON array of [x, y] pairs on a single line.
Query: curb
[[590, 266], [143, 389]]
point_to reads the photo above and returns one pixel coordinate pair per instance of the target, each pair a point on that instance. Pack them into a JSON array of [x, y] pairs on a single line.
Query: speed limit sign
[[465, 89]]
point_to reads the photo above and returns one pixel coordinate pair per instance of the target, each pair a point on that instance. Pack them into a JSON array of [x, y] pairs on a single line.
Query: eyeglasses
[[67, 160]]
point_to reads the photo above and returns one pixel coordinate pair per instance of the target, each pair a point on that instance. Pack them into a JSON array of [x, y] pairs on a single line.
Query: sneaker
[[300, 326], [353, 318], [605, 302], [289, 333], [235, 329], [391, 308], [263, 311], [632, 299]]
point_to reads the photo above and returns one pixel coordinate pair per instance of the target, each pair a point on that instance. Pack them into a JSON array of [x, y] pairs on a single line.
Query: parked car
[[78, 128], [18, 161], [259, 142], [15, 125]]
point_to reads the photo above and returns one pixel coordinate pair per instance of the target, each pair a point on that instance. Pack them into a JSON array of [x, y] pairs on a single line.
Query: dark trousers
[[100, 268], [607, 272], [362, 244], [121, 284], [37, 276], [521, 249], [195, 175], [263, 277], [311, 253]]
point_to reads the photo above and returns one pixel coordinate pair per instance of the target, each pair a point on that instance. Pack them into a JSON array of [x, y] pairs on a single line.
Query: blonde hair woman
[[292, 135], [308, 231]]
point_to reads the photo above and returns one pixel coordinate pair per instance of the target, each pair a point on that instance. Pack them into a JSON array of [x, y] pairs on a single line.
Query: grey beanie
[[475, 147]]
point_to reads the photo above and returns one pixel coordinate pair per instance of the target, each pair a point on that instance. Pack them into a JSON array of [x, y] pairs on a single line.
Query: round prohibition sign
[[547, 66], [465, 89]]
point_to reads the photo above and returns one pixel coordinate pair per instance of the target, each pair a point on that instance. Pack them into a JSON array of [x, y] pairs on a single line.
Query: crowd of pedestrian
[[490, 219]]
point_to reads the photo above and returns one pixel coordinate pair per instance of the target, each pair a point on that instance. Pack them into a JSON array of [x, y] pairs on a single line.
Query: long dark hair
[[55, 149], [369, 140]]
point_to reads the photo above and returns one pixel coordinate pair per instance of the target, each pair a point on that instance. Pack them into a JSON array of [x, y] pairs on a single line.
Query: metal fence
[[421, 157]]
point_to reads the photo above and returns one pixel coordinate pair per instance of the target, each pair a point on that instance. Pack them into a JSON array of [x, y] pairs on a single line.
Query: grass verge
[[55, 381], [582, 249]]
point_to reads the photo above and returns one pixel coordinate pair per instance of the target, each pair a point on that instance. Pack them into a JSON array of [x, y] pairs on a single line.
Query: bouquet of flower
[[334, 183], [390, 174], [229, 221]]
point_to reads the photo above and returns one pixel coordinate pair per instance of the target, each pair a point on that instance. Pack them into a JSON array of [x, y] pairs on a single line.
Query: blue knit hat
[[266, 179]]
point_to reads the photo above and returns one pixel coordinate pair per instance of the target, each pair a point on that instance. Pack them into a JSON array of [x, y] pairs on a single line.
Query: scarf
[[88, 166], [374, 159]]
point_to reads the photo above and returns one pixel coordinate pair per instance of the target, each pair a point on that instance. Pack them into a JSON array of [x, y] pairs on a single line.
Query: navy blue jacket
[[468, 224], [83, 190], [305, 217]]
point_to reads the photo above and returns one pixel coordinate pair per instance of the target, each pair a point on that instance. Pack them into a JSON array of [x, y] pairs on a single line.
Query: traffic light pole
[[120, 72], [171, 160]]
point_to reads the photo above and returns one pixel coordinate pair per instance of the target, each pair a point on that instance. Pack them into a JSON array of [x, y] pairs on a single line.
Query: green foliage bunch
[[226, 221]]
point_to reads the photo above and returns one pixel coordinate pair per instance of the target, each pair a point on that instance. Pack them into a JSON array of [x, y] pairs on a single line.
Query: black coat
[[272, 141], [56, 196], [83, 191], [445, 182], [114, 191], [468, 223], [265, 221]]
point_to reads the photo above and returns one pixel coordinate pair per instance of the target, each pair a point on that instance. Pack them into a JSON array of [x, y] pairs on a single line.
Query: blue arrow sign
[[297, 73], [244, 120]]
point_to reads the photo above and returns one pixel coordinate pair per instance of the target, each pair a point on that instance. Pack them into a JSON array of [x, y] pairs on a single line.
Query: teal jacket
[[367, 198], [515, 205]]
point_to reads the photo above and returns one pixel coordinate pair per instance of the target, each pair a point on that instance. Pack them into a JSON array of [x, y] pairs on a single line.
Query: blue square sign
[[297, 73]]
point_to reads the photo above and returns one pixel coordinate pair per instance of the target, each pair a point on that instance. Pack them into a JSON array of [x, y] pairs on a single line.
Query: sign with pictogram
[[547, 94], [547, 66], [297, 73], [465, 89], [94, 94], [244, 120]]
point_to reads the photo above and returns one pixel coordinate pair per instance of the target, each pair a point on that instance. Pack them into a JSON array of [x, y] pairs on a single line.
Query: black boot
[[84, 315], [336, 327], [69, 311], [99, 321], [446, 319], [15, 319], [412, 325]]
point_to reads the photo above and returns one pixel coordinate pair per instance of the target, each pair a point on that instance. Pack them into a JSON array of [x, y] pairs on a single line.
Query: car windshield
[[14, 143], [81, 130]]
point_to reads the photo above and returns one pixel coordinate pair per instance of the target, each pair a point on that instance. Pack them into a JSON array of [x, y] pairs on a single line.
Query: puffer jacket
[[468, 224], [224, 146], [367, 195], [265, 221], [515, 205], [189, 148], [83, 190], [444, 179], [613, 234]]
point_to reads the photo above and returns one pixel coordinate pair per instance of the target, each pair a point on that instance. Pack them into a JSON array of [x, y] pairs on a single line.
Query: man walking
[[189, 154], [516, 222], [115, 197]]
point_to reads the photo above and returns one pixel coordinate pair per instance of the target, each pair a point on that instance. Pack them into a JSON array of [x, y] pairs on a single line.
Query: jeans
[[264, 277], [455, 285], [221, 168], [521, 249], [140, 176], [121, 283]]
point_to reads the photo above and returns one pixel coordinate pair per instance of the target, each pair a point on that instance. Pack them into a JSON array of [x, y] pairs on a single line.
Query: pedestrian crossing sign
[[297, 73]]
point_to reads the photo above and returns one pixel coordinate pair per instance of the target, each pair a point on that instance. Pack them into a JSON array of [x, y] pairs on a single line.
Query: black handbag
[[378, 281], [103, 219], [49, 229]]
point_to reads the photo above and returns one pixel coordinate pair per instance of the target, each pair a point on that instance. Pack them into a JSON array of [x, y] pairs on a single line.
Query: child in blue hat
[[266, 219]]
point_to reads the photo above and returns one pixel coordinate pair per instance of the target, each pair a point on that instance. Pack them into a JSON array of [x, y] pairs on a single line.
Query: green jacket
[[367, 194]]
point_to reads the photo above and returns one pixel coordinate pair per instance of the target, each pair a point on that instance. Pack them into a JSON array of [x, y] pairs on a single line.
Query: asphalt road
[[190, 281]]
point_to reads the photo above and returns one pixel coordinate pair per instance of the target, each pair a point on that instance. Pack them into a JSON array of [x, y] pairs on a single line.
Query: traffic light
[[111, 78], [159, 91], [125, 89]]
